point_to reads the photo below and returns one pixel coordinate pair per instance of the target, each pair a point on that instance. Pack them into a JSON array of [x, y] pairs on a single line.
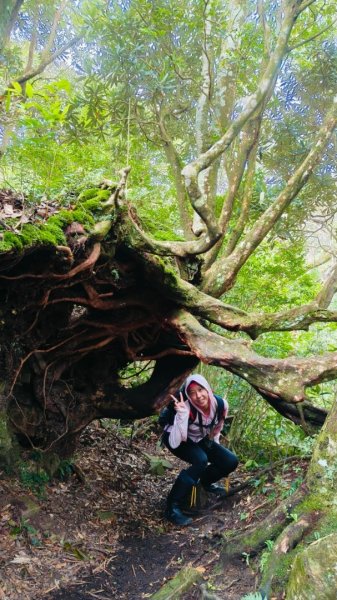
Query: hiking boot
[[180, 489], [175, 516], [218, 490]]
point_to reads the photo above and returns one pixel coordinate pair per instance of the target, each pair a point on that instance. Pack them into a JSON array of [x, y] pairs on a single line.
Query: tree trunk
[[303, 529]]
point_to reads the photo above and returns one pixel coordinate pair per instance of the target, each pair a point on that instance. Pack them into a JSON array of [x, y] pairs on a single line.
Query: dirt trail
[[106, 538]]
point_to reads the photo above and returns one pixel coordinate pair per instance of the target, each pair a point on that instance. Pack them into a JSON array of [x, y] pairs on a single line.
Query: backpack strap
[[221, 407]]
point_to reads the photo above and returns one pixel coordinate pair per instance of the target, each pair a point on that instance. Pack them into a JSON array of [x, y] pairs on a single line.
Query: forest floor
[[100, 533]]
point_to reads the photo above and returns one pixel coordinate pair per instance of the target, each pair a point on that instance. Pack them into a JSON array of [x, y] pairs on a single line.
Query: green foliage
[[132, 89], [24, 529], [135, 373], [265, 555], [34, 478], [158, 465], [275, 277], [260, 434], [65, 469]]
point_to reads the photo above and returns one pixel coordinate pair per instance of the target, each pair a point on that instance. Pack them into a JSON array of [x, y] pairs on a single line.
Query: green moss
[[61, 219], [310, 503], [57, 232], [30, 234], [66, 217], [49, 233], [92, 205], [52, 230], [285, 564], [10, 241], [96, 195], [313, 574], [88, 194], [327, 525], [13, 239], [47, 237], [170, 275], [103, 195], [101, 229], [83, 217], [5, 246]]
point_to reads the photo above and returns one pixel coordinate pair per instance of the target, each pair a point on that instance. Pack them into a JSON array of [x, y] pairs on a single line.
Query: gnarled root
[[253, 541], [287, 540]]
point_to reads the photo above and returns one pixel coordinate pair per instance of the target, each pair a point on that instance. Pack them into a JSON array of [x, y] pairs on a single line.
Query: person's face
[[199, 396]]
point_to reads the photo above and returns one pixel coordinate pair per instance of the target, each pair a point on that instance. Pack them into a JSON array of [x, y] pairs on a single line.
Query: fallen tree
[[83, 299], [87, 291], [89, 296]]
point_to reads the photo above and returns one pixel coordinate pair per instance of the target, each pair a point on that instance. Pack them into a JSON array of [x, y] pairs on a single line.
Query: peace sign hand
[[179, 405]]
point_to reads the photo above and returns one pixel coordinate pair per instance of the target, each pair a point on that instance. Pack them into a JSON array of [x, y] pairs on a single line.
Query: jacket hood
[[204, 383]]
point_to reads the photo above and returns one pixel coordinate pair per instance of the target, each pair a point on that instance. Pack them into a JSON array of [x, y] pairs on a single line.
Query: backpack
[[167, 414]]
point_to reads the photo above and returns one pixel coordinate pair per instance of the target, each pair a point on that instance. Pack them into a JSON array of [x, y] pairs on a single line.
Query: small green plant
[[25, 529], [265, 555], [251, 464], [211, 586], [35, 480], [158, 465], [65, 469], [252, 596]]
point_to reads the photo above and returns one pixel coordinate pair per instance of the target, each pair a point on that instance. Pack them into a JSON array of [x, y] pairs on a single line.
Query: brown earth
[[100, 532]]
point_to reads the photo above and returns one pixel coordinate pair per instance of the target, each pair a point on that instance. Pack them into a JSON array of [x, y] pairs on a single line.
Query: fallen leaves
[[93, 530]]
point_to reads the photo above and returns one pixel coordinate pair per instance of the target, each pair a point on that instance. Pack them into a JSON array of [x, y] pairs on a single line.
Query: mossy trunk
[[313, 574], [303, 559], [8, 447]]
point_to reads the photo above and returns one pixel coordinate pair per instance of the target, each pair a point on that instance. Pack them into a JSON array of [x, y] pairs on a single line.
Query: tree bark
[[308, 515]]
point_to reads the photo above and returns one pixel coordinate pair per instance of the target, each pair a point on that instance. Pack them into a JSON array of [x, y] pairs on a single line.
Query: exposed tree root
[[251, 481], [251, 542], [287, 540]]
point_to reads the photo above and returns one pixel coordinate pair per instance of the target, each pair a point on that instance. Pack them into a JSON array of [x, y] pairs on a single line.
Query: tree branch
[[33, 40], [232, 318], [11, 23], [175, 164], [313, 37], [265, 27], [221, 276], [202, 115], [57, 17], [47, 61], [246, 201], [192, 170], [247, 145], [277, 379]]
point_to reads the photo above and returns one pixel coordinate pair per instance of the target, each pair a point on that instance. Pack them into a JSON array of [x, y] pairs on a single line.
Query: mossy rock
[[313, 575]]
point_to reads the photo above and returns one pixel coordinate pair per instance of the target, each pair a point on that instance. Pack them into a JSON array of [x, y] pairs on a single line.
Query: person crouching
[[194, 438]]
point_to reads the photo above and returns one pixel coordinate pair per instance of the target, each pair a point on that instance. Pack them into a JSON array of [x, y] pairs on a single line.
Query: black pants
[[209, 460]]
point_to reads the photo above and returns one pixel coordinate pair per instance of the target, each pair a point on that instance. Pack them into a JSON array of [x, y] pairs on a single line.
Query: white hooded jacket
[[196, 431]]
